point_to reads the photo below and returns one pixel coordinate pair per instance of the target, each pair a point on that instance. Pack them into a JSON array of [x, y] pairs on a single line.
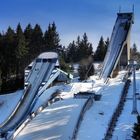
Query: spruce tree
[[77, 48], [80, 50], [86, 68], [28, 33], [135, 55], [72, 52], [100, 51], [134, 49], [106, 45], [21, 50], [8, 54], [37, 41], [85, 48], [51, 38]]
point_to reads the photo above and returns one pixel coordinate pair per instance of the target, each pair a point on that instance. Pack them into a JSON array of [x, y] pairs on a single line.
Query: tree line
[[18, 47]]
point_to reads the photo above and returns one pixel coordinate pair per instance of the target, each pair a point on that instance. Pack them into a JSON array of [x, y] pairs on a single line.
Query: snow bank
[[8, 104]]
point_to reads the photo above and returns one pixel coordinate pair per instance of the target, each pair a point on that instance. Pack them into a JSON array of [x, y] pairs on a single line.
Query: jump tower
[[118, 52]]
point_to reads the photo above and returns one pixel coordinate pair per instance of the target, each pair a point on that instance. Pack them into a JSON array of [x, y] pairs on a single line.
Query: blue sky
[[72, 17]]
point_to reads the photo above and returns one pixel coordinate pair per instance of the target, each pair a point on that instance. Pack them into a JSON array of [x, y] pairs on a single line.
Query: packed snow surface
[[8, 102], [45, 97], [59, 119], [96, 119], [55, 122], [126, 120]]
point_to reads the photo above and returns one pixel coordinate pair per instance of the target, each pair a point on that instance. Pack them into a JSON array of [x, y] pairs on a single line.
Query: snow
[[68, 91], [97, 118], [48, 55], [126, 120], [55, 122], [8, 102], [45, 96]]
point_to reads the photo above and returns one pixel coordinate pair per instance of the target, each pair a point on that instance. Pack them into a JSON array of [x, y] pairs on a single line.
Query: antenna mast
[[133, 9], [119, 9]]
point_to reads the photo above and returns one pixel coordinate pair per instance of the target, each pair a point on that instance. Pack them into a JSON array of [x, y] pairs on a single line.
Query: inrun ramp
[[41, 69], [119, 45]]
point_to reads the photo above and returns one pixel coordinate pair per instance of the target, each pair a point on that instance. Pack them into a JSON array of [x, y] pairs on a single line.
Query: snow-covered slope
[[96, 120], [55, 122], [126, 121], [59, 119], [8, 103]]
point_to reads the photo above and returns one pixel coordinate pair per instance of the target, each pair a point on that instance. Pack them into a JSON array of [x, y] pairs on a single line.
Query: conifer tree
[[106, 44], [72, 52], [86, 68], [21, 49], [85, 48], [51, 38], [28, 37], [135, 55], [100, 51], [7, 54], [80, 50], [37, 41], [77, 48], [28, 33]]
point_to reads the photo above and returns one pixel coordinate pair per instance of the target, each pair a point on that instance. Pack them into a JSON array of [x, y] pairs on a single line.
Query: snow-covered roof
[[48, 55]]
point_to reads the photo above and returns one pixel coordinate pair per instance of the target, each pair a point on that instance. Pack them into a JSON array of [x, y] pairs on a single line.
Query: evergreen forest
[[19, 47]]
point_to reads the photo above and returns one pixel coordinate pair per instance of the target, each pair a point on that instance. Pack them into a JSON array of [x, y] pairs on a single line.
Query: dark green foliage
[[7, 44], [63, 65], [82, 72], [21, 50], [101, 50], [12, 84], [85, 48], [72, 52], [134, 54], [80, 50], [106, 45], [136, 129], [134, 48], [51, 38], [18, 49], [36, 41], [28, 33], [86, 68]]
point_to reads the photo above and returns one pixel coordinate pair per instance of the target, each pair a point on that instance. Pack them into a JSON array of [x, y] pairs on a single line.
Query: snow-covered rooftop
[[48, 55]]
